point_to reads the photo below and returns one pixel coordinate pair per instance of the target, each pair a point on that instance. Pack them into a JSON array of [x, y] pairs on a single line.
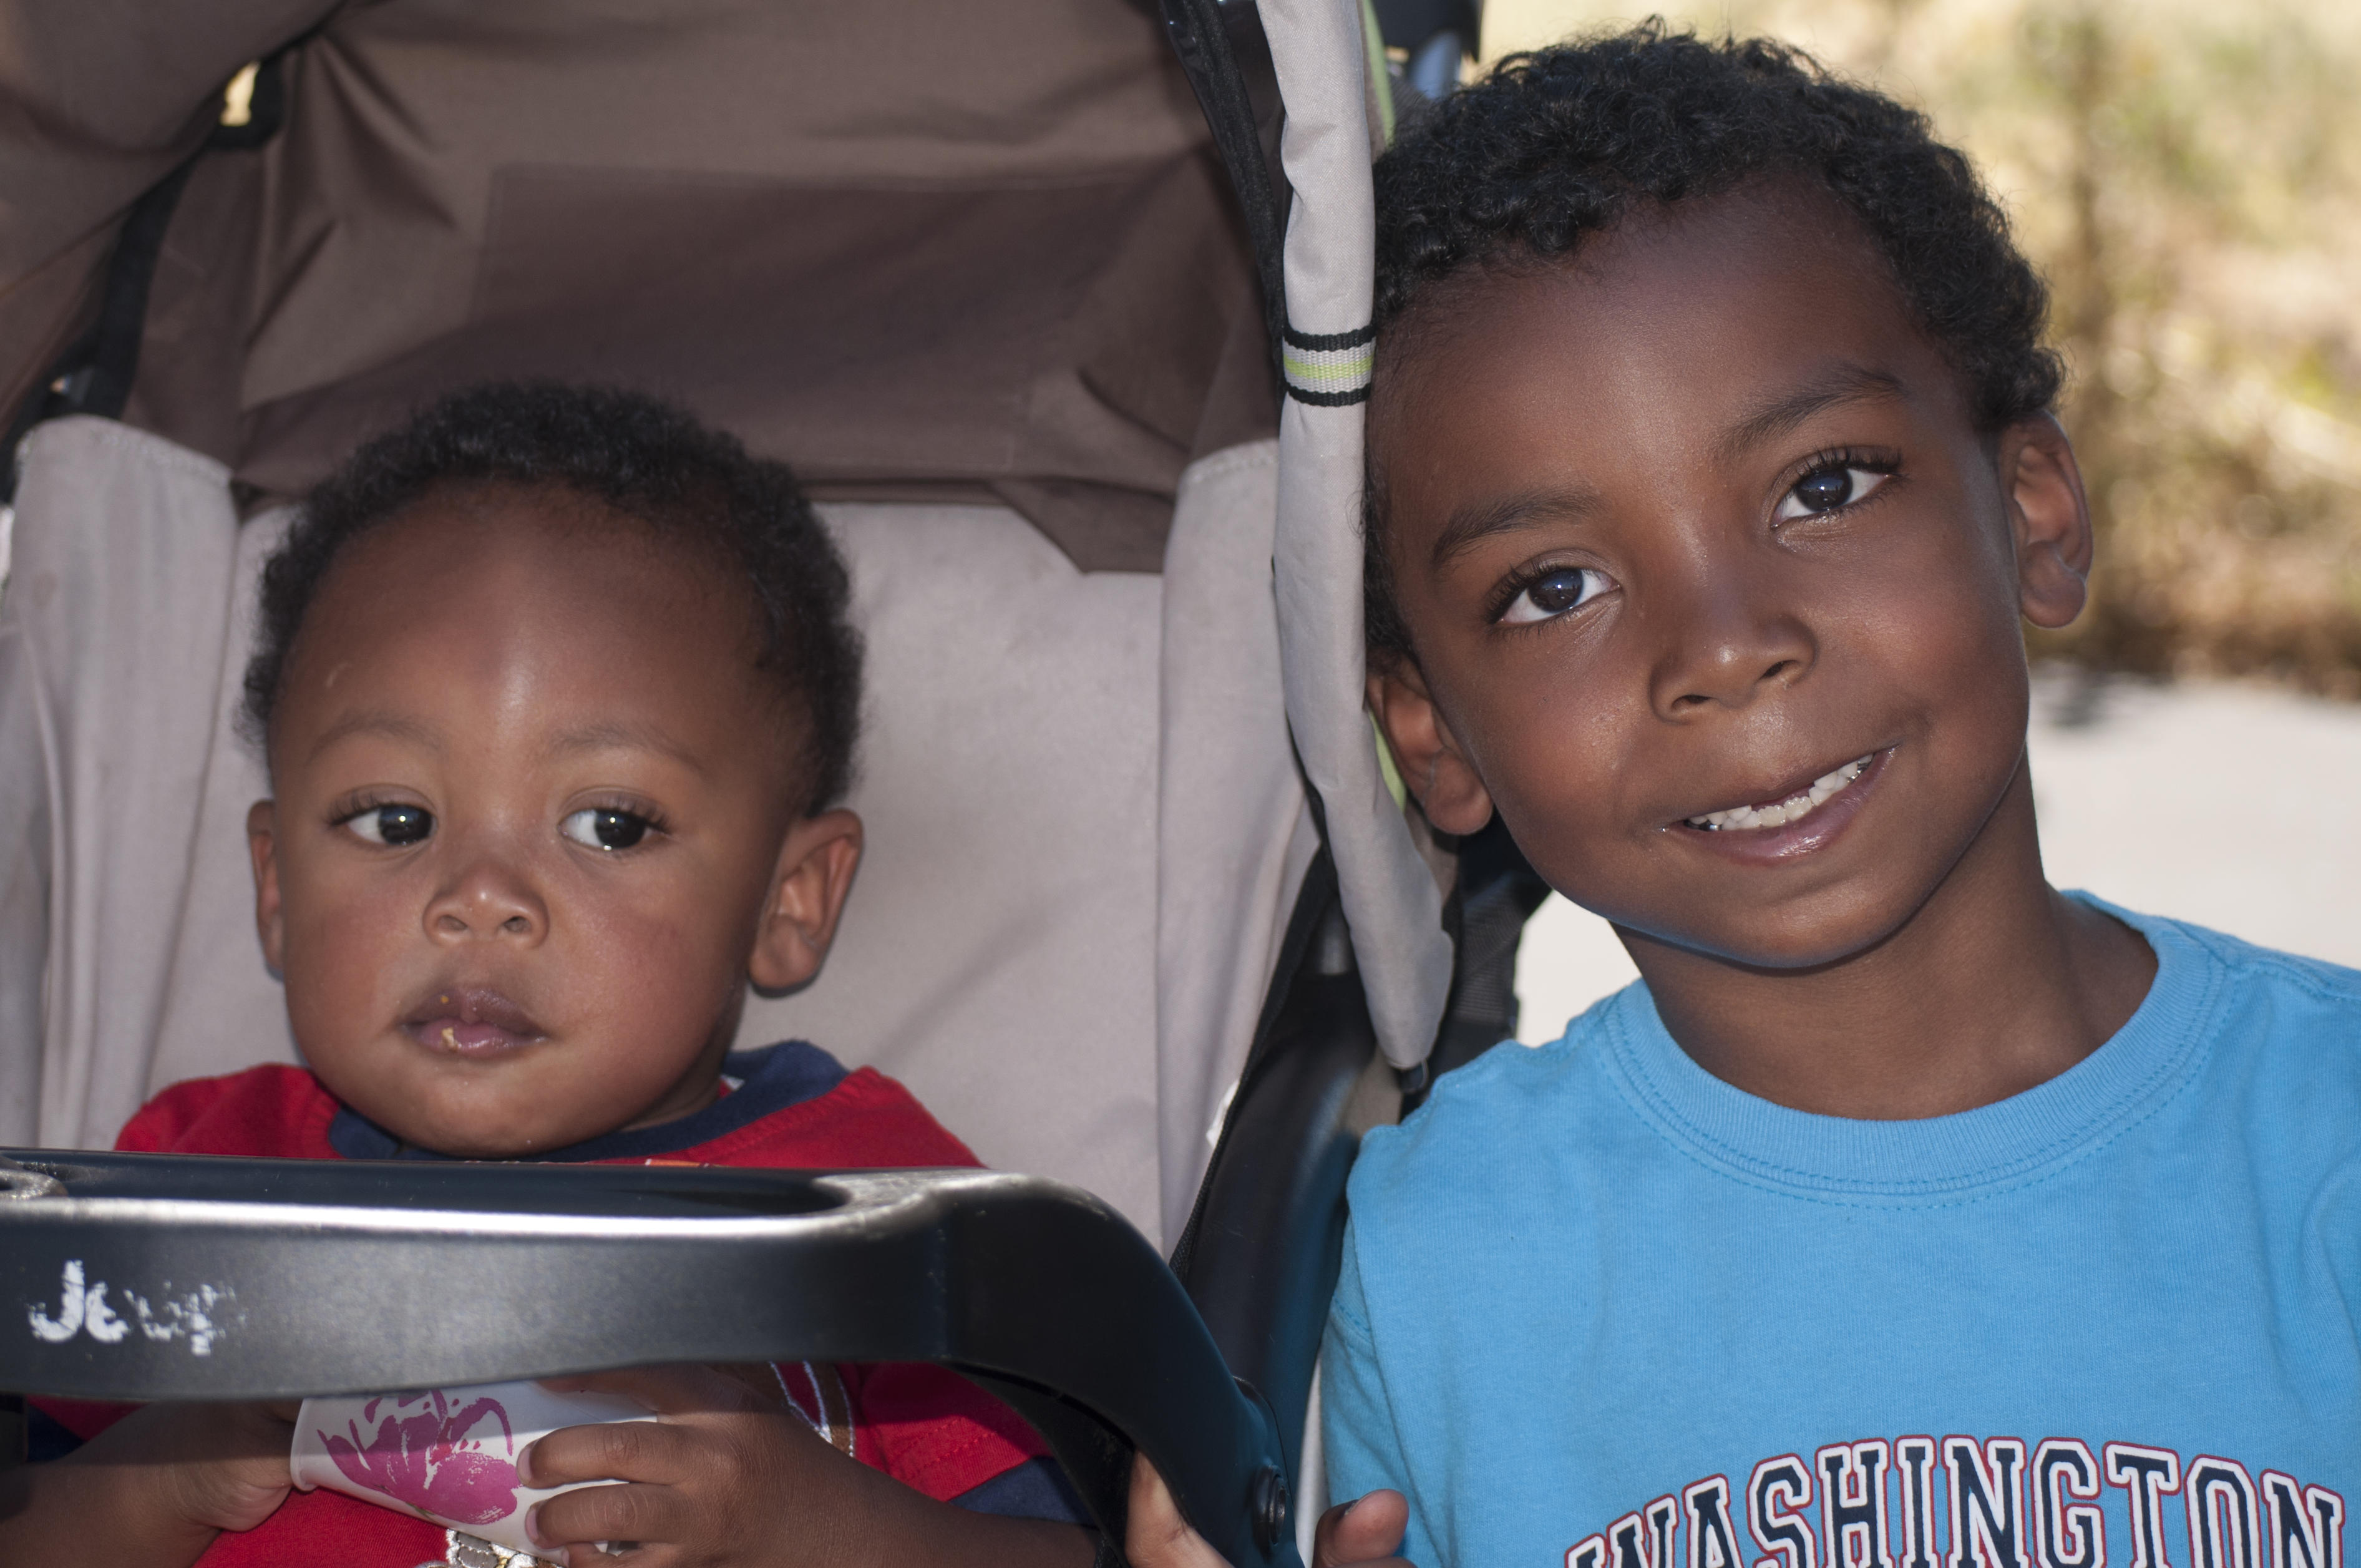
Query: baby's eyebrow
[[1845, 383], [1472, 524], [379, 721], [613, 736]]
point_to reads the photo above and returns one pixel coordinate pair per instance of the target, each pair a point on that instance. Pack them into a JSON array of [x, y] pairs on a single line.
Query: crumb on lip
[[449, 1038]]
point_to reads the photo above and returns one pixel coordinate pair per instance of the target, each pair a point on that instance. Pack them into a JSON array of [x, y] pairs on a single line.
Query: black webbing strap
[[93, 376], [1222, 48]]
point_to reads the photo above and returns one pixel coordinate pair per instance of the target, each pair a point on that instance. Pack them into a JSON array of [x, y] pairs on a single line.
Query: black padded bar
[[154, 1277]]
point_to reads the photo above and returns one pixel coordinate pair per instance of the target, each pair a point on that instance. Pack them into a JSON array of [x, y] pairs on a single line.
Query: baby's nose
[[487, 899]]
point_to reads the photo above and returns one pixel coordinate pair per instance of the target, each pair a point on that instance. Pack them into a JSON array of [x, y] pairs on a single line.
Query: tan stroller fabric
[[1084, 834]]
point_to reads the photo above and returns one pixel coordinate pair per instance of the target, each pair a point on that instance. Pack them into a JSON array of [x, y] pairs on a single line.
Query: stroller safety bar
[[166, 1277]]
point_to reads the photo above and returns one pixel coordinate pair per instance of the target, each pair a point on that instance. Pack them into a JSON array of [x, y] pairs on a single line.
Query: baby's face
[[531, 803], [1696, 524]]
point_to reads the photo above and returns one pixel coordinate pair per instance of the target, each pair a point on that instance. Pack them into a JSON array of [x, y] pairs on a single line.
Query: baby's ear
[[807, 888], [1433, 768], [269, 912], [2050, 517]]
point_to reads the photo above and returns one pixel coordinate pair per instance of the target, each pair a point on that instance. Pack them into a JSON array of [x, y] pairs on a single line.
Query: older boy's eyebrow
[[379, 721], [1470, 524], [1843, 384], [626, 736]]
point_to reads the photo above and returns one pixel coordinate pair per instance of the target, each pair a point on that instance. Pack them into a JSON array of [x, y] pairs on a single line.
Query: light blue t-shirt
[[1601, 1309]]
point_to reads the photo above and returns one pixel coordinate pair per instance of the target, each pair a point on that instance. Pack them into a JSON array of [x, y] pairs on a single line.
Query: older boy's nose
[[1729, 649], [487, 899]]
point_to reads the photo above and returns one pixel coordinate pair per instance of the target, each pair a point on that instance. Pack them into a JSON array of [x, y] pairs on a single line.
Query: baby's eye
[[605, 827], [394, 825], [1554, 592], [1824, 489]]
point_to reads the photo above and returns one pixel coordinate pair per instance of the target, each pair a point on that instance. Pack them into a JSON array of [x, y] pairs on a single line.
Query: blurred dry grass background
[[2188, 176]]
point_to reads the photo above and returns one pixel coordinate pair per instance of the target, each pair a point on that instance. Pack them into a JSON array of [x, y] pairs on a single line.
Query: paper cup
[[448, 1455]]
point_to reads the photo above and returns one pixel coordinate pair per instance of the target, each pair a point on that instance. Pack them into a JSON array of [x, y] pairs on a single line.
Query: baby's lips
[[461, 1006], [469, 1039]]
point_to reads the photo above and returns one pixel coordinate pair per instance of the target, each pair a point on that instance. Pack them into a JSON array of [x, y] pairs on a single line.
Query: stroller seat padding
[[123, 795], [998, 950]]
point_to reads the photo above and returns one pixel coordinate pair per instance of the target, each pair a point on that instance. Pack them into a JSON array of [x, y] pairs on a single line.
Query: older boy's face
[[1714, 586], [529, 818]]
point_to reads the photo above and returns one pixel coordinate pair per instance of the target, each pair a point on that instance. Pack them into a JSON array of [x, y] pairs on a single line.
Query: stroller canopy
[[923, 251]]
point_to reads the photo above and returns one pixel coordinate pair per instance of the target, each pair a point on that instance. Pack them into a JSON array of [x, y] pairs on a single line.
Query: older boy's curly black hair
[[643, 458], [1561, 142]]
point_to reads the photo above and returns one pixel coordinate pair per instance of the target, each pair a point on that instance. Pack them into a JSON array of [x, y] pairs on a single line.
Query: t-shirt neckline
[[2148, 1060]]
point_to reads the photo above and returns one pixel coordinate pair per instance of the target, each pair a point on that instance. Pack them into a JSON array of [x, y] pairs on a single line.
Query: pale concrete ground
[[2236, 806]]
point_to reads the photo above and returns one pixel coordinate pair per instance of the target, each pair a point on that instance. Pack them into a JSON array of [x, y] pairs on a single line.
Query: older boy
[[1906, 1212]]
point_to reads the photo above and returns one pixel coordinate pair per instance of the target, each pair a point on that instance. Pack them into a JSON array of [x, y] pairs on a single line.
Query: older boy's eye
[[604, 827], [1826, 490], [1554, 593], [394, 825]]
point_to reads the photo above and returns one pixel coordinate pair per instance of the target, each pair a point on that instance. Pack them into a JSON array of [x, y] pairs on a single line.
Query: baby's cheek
[[654, 961], [649, 984], [341, 956]]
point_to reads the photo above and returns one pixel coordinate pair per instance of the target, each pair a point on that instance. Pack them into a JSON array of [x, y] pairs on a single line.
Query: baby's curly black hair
[[1560, 142], [644, 458]]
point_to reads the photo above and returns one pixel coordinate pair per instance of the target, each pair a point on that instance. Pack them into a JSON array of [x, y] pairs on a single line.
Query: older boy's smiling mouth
[[1787, 806], [1760, 822], [470, 1021]]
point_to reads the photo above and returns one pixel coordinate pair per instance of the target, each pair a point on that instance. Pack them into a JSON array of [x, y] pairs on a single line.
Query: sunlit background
[[2188, 177]]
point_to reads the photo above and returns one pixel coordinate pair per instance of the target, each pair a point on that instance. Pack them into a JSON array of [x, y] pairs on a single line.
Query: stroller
[[1008, 285]]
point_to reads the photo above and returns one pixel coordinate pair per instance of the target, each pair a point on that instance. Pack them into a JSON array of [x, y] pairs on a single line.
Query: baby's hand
[[723, 1474], [217, 1466], [1360, 1534], [156, 1487]]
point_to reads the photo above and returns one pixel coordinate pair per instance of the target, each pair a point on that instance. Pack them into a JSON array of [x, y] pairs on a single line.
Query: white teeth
[[1793, 809]]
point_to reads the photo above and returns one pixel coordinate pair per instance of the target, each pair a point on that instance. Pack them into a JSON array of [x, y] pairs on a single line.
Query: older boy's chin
[[1814, 933]]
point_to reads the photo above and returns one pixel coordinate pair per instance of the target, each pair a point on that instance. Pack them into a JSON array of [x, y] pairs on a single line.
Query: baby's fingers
[[623, 1516], [612, 1450], [1368, 1531]]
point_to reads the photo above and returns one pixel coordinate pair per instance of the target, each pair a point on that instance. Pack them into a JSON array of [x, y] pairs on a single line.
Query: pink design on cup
[[428, 1460]]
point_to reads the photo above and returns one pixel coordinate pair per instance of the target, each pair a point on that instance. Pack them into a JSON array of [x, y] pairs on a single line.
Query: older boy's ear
[[270, 913], [1433, 768], [2051, 518], [808, 889]]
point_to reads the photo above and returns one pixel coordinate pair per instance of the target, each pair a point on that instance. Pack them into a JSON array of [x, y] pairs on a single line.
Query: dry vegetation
[[2189, 177]]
